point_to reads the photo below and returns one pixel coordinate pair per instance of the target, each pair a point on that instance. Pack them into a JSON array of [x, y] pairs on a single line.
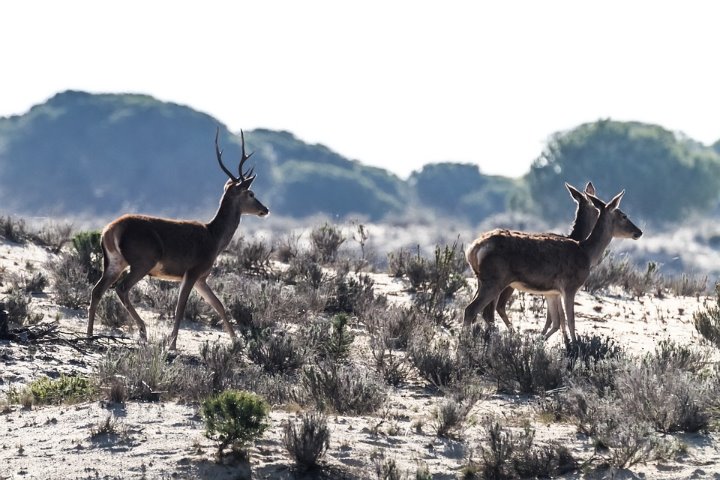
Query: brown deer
[[178, 250], [543, 263], [586, 214]]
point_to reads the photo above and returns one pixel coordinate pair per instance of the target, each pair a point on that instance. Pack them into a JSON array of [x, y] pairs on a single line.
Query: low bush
[[520, 363], [307, 441], [436, 361], [342, 388], [234, 418], [707, 320], [148, 370], [65, 389], [326, 241], [250, 256], [111, 312], [86, 247], [276, 351], [70, 280], [508, 454]]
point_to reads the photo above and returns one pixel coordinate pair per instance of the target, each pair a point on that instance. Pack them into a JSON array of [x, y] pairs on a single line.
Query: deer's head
[[615, 219], [237, 189]]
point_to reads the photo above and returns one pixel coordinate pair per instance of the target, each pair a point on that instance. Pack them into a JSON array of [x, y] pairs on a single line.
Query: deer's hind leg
[[137, 271], [485, 296], [113, 267]]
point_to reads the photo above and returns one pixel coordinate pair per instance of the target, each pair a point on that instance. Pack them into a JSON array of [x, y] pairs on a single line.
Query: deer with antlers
[[543, 263], [178, 250]]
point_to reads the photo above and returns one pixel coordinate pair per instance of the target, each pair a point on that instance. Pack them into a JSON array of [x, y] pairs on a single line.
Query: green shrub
[[234, 418], [65, 389], [87, 248]]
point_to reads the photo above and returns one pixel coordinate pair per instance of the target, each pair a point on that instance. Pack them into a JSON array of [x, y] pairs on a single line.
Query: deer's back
[[539, 261], [174, 246]]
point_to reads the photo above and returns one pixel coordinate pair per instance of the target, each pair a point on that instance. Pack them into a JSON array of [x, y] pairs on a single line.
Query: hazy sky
[[390, 83]]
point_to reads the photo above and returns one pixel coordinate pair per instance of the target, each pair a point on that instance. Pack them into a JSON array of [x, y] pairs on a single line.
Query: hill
[[101, 154]]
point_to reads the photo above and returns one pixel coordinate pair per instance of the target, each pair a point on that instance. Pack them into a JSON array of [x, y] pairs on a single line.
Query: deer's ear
[[615, 202], [599, 204], [590, 188], [575, 193]]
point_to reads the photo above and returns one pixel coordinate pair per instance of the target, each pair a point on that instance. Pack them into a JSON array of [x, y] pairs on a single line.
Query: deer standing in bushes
[[585, 217], [178, 250], [543, 263]]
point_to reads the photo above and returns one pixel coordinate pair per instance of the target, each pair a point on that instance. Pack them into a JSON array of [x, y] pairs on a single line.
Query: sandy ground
[[165, 440]]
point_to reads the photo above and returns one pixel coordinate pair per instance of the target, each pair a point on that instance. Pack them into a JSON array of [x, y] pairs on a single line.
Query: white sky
[[395, 84]]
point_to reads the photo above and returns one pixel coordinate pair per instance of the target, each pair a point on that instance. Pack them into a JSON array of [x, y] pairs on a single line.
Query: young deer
[[543, 263], [585, 217], [178, 250]]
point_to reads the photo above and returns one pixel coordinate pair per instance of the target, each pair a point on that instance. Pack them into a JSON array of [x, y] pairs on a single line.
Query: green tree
[[665, 174], [461, 190]]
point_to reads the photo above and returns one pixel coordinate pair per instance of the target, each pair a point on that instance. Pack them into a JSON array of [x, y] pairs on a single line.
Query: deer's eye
[[251, 194]]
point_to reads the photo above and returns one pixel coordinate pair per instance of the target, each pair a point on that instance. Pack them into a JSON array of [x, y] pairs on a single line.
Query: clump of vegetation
[[86, 247], [342, 388], [111, 312], [508, 454], [70, 279], [326, 241], [65, 389], [520, 362], [307, 442], [251, 256], [707, 321], [147, 371], [13, 229], [435, 281], [234, 418], [450, 415], [276, 351]]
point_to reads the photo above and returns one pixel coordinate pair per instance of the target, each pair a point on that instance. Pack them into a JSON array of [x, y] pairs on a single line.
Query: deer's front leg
[[186, 286]]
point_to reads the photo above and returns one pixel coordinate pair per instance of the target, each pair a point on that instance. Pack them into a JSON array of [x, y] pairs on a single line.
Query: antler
[[248, 177], [218, 153]]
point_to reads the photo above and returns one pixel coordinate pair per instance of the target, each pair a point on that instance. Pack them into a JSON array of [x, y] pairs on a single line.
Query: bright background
[[394, 84]]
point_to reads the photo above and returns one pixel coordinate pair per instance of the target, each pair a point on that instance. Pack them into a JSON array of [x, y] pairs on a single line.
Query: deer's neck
[[582, 226], [598, 240], [225, 222]]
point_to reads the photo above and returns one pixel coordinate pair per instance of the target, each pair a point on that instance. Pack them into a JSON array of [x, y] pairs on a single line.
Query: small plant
[[70, 279], [331, 339], [435, 362], [87, 249], [450, 416], [326, 241], [276, 352], [251, 256], [342, 388], [17, 306], [707, 321], [13, 229], [307, 443], [112, 313], [521, 363], [234, 418], [65, 389], [108, 427]]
